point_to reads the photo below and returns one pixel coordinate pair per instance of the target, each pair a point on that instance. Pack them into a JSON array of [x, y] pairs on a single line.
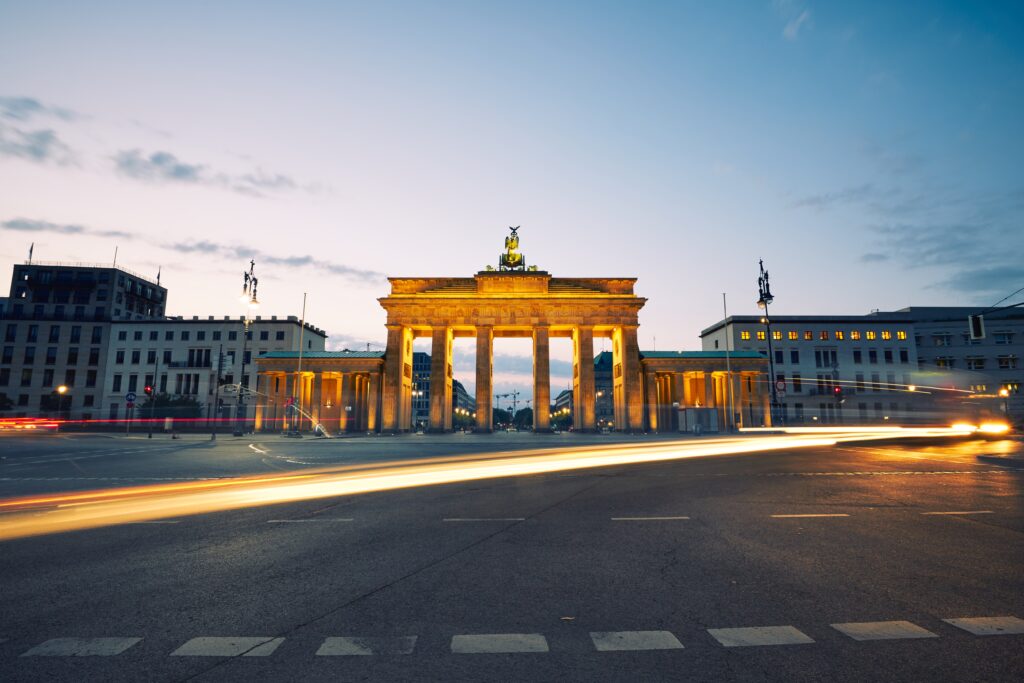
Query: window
[[1012, 387], [33, 334], [12, 333], [744, 335], [875, 382], [94, 356], [153, 335], [823, 335], [97, 335], [794, 356], [51, 355], [22, 399], [90, 378], [117, 383], [122, 335], [798, 409], [1003, 337], [54, 334], [119, 356], [8, 355], [858, 356], [264, 335], [942, 339], [887, 355], [776, 335], [73, 355], [76, 334], [216, 335], [975, 363], [133, 382], [872, 356], [854, 335], [797, 385], [840, 335], [30, 355], [138, 335], [760, 335], [184, 335], [88, 401], [779, 356], [5, 377], [136, 356], [200, 335], [69, 377], [944, 362], [871, 335], [151, 356], [48, 377], [904, 356], [26, 377], [279, 335], [167, 356], [859, 381], [169, 335], [886, 335], [1007, 362], [233, 335], [808, 335], [901, 335]]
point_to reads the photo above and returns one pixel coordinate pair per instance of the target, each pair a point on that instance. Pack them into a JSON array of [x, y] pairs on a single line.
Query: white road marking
[[960, 512], [258, 449], [484, 519], [830, 514], [883, 630], [493, 643], [228, 647], [296, 521], [989, 626], [612, 641], [646, 519], [354, 646], [82, 647], [759, 635]]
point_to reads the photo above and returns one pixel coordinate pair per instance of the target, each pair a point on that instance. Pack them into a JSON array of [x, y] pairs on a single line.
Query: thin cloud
[[793, 26], [30, 225], [26, 108], [999, 280], [239, 252], [40, 146], [873, 257]]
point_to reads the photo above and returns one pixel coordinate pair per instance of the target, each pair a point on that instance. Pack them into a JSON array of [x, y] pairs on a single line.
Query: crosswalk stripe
[[231, 646], [81, 647], [883, 630], [349, 646], [497, 643], [989, 626], [612, 641], [759, 635]]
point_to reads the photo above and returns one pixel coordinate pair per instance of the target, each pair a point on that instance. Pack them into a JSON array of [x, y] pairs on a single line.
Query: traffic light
[[148, 389], [837, 392]]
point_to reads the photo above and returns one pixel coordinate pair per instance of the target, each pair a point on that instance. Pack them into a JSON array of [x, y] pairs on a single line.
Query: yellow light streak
[[45, 514]]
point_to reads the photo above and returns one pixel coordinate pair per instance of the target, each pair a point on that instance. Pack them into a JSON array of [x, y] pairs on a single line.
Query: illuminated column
[[766, 405], [709, 390], [316, 404], [441, 379], [583, 380], [678, 396], [651, 385], [373, 400], [541, 379], [395, 416], [631, 383], [339, 400], [484, 377]]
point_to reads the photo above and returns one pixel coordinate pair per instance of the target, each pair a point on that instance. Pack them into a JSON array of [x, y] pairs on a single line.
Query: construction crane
[[514, 395]]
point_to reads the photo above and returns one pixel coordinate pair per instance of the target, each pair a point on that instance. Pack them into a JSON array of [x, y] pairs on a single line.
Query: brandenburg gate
[[512, 300]]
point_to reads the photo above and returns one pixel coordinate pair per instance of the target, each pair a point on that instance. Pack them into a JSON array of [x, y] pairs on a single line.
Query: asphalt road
[[530, 578]]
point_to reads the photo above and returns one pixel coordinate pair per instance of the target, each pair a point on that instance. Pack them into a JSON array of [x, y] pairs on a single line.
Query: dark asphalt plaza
[[662, 571]]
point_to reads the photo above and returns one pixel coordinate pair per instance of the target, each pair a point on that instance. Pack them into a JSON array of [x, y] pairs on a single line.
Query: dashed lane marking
[[759, 635], [647, 519], [81, 647], [616, 641], [960, 512], [228, 647], [818, 514], [498, 643], [257, 449], [298, 521], [484, 519], [354, 646], [989, 626], [883, 630]]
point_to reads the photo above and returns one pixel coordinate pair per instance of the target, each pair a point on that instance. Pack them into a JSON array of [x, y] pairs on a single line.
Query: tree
[[166, 406], [524, 418], [502, 416], [5, 402]]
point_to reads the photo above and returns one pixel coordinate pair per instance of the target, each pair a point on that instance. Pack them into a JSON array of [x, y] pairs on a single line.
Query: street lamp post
[[62, 391], [1005, 394], [763, 300], [248, 298]]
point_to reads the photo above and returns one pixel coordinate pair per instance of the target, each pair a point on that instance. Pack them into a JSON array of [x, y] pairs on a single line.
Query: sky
[[869, 152]]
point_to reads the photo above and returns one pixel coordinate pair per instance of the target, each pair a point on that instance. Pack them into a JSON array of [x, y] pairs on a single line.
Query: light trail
[[56, 513]]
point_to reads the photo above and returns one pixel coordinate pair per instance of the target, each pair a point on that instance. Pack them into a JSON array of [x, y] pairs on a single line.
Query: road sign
[[130, 397], [130, 404], [780, 385]]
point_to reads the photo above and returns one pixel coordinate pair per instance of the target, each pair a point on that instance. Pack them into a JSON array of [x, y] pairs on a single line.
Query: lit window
[[1007, 362], [793, 335], [760, 335], [808, 335], [886, 335], [823, 335], [745, 335], [901, 334], [840, 335], [776, 335], [871, 335], [855, 335]]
